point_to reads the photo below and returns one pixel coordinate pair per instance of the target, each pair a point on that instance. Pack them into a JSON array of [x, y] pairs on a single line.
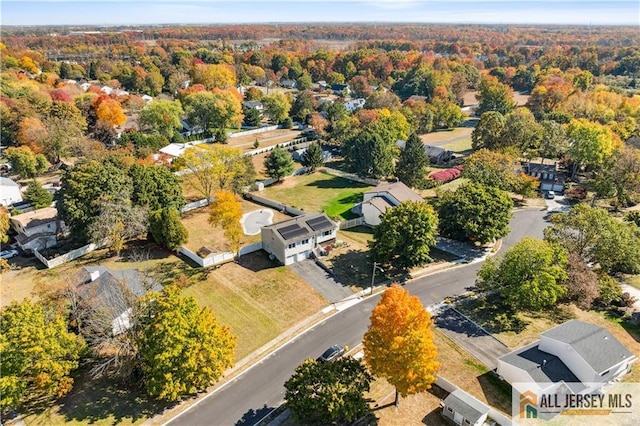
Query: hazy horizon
[[197, 12]]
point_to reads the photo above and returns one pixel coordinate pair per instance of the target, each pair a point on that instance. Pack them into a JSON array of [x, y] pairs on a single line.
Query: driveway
[[470, 336], [321, 280], [559, 203]]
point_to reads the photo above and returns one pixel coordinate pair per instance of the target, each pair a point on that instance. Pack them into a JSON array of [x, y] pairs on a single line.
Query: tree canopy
[[474, 212], [162, 116], [405, 235], [412, 163], [279, 164], [530, 276], [398, 345], [38, 354], [324, 393], [183, 349], [167, 228]]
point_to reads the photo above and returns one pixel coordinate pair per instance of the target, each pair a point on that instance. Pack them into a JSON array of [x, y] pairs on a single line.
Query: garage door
[[290, 259], [303, 255]]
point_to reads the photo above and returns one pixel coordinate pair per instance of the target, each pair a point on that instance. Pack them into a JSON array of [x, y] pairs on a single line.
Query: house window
[[449, 409], [305, 241], [325, 233], [290, 246], [467, 422]]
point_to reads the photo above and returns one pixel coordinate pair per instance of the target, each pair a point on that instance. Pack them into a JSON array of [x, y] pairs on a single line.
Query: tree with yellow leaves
[[399, 343], [227, 212], [110, 111]]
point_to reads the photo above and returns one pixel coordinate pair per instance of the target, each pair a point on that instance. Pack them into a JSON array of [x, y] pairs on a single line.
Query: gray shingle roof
[[463, 403], [397, 190], [541, 366], [593, 343]]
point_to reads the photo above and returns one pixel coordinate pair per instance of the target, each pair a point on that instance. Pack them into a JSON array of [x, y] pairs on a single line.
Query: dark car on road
[[333, 353]]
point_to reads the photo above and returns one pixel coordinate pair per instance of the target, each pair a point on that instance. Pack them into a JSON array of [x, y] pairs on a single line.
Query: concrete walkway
[[321, 280]]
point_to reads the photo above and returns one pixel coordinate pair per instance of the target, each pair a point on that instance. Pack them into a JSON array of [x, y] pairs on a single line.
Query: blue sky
[[131, 12]]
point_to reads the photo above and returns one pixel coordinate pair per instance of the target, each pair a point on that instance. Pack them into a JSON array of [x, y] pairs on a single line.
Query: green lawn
[[459, 145], [317, 192]]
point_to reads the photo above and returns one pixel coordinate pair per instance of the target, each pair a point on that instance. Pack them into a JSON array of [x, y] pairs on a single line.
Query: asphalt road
[[248, 398]]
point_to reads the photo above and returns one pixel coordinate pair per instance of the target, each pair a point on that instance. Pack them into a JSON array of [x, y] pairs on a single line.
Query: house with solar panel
[[295, 239]]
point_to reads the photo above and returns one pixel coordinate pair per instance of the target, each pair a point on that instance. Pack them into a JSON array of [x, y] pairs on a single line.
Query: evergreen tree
[[312, 157], [279, 164], [412, 163]]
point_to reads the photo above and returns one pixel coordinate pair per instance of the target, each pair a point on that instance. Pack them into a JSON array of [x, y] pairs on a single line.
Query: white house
[[9, 192], [574, 357], [112, 292], [354, 104], [462, 408], [376, 201], [295, 239], [37, 229]]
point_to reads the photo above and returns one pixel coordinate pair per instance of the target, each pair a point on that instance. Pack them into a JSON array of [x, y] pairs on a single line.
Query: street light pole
[[373, 274]]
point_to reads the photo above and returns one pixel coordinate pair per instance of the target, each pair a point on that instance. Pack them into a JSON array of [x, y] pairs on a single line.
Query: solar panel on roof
[[292, 231], [319, 223]]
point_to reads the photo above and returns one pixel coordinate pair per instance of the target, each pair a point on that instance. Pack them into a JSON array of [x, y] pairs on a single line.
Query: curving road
[[248, 398]]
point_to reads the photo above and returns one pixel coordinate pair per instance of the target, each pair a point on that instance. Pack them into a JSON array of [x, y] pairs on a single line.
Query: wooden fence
[[218, 258]]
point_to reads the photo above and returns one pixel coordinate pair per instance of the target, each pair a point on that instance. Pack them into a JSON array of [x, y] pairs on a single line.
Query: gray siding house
[[295, 239]]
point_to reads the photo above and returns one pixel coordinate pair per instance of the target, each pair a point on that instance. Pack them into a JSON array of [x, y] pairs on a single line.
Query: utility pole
[[373, 274]]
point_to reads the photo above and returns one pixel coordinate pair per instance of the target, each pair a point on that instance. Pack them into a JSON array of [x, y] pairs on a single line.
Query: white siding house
[[578, 356], [388, 195], [9, 192], [37, 229], [295, 239]]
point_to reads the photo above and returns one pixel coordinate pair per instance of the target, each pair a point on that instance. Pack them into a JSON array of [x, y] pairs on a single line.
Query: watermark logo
[[576, 403], [528, 405]]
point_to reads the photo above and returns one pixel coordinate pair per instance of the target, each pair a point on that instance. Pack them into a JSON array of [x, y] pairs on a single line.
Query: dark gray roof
[[541, 366], [110, 287], [463, 403], [252, 104], [540, 168], [593, 343]]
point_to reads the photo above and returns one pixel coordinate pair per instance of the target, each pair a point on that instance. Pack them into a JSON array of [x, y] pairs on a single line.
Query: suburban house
[[9, 192], [354, 104], [288, 84], [295, 239], [436, 154], [575, 357], [112, 292], [387, 195], [257, 105], [37, 229], [464, 409], [550, 180]]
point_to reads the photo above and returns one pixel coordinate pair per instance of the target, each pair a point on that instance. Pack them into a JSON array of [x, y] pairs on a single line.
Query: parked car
[[334, 352], [8, 254], [550, 195]]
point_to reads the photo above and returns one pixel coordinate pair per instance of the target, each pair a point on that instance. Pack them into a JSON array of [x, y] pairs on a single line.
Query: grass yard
[[258, 164], [202, 234], [449, 186], [445, 136], [317, 192], [256, 299], [459, 146]]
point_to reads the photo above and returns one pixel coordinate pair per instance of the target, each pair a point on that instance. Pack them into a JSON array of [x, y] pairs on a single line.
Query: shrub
[[446, 175], [577, 192]]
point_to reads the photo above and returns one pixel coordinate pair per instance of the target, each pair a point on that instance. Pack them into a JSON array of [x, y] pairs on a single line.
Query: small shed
[[464, 409]]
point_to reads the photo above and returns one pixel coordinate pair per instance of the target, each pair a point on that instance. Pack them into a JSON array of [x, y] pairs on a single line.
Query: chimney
[[94, 275]]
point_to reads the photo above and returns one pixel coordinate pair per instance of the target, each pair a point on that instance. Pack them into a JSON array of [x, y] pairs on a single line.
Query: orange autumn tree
[[226, 212], [110, 111], [399, 343]]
